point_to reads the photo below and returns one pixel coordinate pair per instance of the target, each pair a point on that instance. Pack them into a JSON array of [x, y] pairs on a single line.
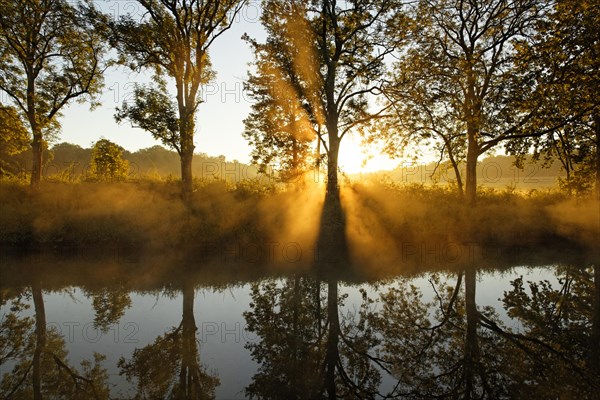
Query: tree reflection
[[288, 319], [436, 348], [558, 335], [109, 305], [170, 367], [39, 358], [304, 349], [450, 347]]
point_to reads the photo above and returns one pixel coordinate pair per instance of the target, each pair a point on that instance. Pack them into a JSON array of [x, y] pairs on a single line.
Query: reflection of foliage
[[557, 335], [14, 332], [170, 367], [58, 379], [156, 367], [288, 319], [109, 306], [303, 349], [427, 345]]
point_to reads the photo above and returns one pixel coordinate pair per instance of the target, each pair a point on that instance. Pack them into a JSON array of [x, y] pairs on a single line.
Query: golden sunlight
[[355, 158]]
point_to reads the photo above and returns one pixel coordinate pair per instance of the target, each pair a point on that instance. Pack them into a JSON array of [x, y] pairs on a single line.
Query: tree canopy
[[50, 55], [173, 40]]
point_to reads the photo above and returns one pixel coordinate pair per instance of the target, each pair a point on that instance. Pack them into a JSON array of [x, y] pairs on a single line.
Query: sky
[[219, 119]]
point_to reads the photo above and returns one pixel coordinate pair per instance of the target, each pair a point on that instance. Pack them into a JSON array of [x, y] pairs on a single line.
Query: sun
[[355, 159]]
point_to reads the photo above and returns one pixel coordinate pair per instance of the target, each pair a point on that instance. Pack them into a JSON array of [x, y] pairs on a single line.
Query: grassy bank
[[249, 220]]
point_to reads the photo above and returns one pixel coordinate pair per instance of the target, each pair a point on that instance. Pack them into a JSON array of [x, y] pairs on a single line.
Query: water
[[236, 332]]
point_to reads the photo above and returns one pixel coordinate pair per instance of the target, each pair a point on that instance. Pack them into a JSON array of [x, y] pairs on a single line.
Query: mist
[[387, 227]]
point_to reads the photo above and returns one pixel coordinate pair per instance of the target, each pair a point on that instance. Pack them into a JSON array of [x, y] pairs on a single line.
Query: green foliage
[[280, 128], [14, 139], [564, 54], [319, 64], [174, 40], [50, 55], [107, 163], [458, 85], [153, 111]]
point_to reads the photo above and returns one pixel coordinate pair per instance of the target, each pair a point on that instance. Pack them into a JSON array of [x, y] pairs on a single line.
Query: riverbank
[[384, 222]]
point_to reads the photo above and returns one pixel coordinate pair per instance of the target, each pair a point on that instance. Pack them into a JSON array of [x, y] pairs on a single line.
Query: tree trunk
[[459, 182], [40, 336], [597, 129], [186, 173], [332, 166], [332, 352], [471, 345], [187, 151], [472, 155], [37, 145], [472, 110]]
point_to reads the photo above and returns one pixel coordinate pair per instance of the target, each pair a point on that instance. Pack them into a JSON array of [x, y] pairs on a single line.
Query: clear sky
[[220, 117]]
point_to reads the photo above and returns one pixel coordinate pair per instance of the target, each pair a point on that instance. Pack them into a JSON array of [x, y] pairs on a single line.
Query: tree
[[279, 128], [566, 54], [107, 163], [330, 56], [461, 73], [50, 55], [174, 39], [14, 138]]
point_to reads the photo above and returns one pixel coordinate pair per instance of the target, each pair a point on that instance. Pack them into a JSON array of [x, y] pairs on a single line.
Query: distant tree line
[[106, 161]]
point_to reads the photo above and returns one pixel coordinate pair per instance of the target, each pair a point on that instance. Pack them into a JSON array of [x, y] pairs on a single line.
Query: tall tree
[[566, 54], [460, 68], [173, 39], [50, 55], [330, 55]]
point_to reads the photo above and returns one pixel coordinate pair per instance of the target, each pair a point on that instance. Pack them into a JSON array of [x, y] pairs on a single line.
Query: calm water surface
[[116, 329]]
